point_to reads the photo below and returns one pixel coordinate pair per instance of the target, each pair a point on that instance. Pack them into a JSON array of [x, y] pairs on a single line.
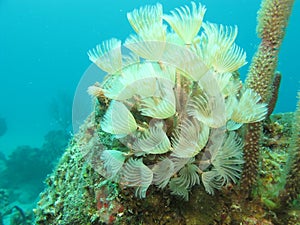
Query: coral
[[23, 174], [272, 21], [24, 166], [274, 94], [292, 187], [76, 194], [4, 198], [274, 154], [55, 141], [12, 212], [59, 203], [29, 166]]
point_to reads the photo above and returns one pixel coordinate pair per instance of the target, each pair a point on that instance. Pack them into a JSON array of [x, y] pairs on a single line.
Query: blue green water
[[43, 47]]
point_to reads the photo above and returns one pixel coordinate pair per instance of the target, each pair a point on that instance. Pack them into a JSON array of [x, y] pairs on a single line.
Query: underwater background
[[43, 55], [44, 44]]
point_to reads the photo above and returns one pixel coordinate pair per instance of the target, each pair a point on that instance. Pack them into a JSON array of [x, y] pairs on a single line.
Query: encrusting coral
[[272, 21]]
